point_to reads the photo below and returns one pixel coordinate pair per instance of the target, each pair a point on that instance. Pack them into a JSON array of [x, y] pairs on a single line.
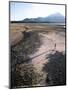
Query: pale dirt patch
[[49, 40], [46, 47]]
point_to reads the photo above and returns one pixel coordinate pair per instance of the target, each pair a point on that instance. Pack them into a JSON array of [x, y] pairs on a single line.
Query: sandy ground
[[45, 48], [51, 42]]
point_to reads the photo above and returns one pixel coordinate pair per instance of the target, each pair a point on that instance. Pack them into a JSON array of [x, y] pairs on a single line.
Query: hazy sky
[[20, 11]]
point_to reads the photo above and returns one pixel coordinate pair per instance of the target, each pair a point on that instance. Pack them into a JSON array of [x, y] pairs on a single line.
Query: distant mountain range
[[53, 18]]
